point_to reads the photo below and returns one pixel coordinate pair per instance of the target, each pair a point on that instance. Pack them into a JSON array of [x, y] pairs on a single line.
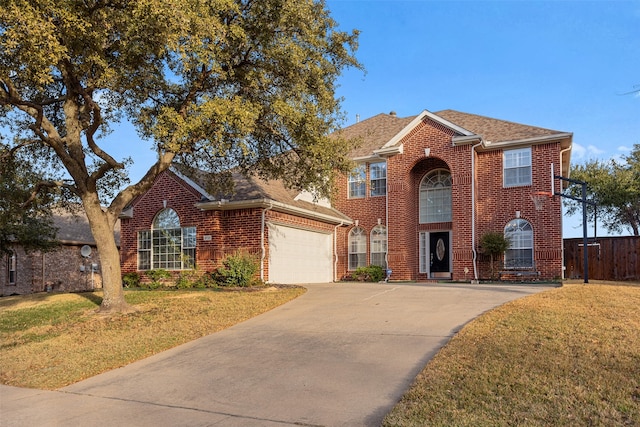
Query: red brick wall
[[496, 205]]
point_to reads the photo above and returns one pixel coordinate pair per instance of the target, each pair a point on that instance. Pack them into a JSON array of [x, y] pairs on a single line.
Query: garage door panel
[[299, 256]]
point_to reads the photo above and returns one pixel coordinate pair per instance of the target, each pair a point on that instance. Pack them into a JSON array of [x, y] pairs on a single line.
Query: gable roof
[[255, 192], [386, 130]]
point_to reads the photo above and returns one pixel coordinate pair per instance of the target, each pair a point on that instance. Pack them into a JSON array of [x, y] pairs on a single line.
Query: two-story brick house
[[425, 189], [428, 187]]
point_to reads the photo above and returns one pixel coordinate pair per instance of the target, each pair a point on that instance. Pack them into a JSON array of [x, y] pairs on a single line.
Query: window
[[167, 245], [517, 167], [11, 268], [520, 252], [435, 197], [378, 176], [379, 246], [357, 248], [357, 182]]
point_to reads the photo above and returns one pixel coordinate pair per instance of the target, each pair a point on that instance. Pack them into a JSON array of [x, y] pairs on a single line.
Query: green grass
[[48, 341], [570, 356]]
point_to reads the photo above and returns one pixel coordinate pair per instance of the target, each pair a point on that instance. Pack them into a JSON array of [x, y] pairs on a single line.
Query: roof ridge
[[494, 118]]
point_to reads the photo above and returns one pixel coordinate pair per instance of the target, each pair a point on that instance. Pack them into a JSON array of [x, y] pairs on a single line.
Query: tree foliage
[[614, 187], [25, 214], [213, 84]]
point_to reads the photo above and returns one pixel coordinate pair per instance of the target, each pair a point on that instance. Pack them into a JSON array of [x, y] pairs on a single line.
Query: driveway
[[340, 355]]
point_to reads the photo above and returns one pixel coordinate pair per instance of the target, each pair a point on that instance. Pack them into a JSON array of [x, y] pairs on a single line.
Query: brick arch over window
[[520, 252], [167, 245]]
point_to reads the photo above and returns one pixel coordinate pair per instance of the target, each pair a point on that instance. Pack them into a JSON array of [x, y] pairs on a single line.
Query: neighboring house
[[427, 188], [424, 191], [64, 269]]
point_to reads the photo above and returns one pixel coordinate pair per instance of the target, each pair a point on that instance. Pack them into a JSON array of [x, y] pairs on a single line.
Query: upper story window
[[358, 182], [517, 167], [435, 197], [167, 245], [378, 178], [520, 252], [357, 248]]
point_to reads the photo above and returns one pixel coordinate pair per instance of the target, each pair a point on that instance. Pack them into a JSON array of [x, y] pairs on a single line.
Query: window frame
[[357, 249], [357, 182], [517, 170], [12, 269], [424, 213], [522, 242], [379, 246], [378, 181], [167, 245]]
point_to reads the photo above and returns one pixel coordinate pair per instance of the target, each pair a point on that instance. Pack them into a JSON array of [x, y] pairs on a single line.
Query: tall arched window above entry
[[167, 245], [520, 252], [435, 197], [357, 248], [379, 246]]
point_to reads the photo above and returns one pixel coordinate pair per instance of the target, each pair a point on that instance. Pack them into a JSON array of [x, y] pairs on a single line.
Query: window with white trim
[[379, 246], [520, 252], [517, 167], [378, 179], [12, 263], [357, 248], [357, 182], [435, 197], [167, 245]]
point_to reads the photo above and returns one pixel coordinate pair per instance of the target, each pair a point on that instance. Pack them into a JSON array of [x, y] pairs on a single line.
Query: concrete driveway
[[340, 355]]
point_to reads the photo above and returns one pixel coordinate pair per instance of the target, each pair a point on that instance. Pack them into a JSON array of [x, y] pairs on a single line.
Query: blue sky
[[563, 65]]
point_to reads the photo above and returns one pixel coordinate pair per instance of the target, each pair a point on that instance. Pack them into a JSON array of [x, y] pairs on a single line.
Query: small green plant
[[158, 276], [238, 269], [131, 280], [372, 273], [195, 279], [494, 244]]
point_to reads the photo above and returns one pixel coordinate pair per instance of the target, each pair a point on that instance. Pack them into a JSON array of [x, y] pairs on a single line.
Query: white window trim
[[517, 244], [518, 166], [361, 248], [186, 252], [379, 244], [425, 219], [378, 183], [357, 177]]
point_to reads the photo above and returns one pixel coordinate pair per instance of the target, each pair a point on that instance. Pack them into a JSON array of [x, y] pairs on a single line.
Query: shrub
[[158, 277], [494, 244], [131, 280], [238, 269], [372, 273], [188, 279]]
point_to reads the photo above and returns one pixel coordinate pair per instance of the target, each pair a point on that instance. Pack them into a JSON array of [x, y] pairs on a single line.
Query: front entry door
[[439, 255]]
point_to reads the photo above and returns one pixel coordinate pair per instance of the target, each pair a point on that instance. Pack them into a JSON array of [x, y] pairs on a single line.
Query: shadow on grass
[[91, 296]]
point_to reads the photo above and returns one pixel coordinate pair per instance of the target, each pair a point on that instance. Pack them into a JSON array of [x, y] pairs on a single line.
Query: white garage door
[[299, 256]]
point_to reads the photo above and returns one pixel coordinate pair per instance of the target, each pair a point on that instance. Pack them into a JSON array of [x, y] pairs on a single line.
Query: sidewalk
[[340, 355]]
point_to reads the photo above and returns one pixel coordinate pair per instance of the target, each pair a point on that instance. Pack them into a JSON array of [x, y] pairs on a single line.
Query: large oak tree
[[213, 84]]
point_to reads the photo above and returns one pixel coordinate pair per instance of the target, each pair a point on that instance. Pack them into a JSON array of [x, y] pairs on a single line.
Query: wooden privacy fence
[[610, 258]]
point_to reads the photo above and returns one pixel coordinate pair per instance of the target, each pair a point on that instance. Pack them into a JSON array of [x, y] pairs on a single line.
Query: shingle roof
[[252, 188], [494, 130], [376, 131], [73, 228]]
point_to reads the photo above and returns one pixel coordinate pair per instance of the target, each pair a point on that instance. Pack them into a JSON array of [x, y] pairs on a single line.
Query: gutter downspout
[[473, 210], [386, 224], [335, 251], [264, 250]]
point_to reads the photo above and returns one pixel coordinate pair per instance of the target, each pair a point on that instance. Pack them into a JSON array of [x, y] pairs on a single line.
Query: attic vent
[[392, 114]]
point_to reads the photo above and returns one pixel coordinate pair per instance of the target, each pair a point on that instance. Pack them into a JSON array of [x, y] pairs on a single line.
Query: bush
[[158, 277], [131, 280], [238, 269], [188, 279], [372, 273]]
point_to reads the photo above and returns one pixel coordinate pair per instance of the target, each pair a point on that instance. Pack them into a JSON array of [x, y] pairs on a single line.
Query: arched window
[[520, 252], [379, 246], [435, 197], [167, 245], [357, 248]]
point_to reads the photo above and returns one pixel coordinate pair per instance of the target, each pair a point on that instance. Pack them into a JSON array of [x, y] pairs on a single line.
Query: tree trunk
[[102, 227]]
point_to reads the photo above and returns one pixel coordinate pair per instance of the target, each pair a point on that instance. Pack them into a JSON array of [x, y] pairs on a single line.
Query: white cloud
[[624, 148], [578, 151], [595, 150]]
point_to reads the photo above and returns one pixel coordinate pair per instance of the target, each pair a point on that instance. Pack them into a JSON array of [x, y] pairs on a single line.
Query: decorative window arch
[[167, 245], [379, 246], [435, 197], [357, 248], [520, 252]]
